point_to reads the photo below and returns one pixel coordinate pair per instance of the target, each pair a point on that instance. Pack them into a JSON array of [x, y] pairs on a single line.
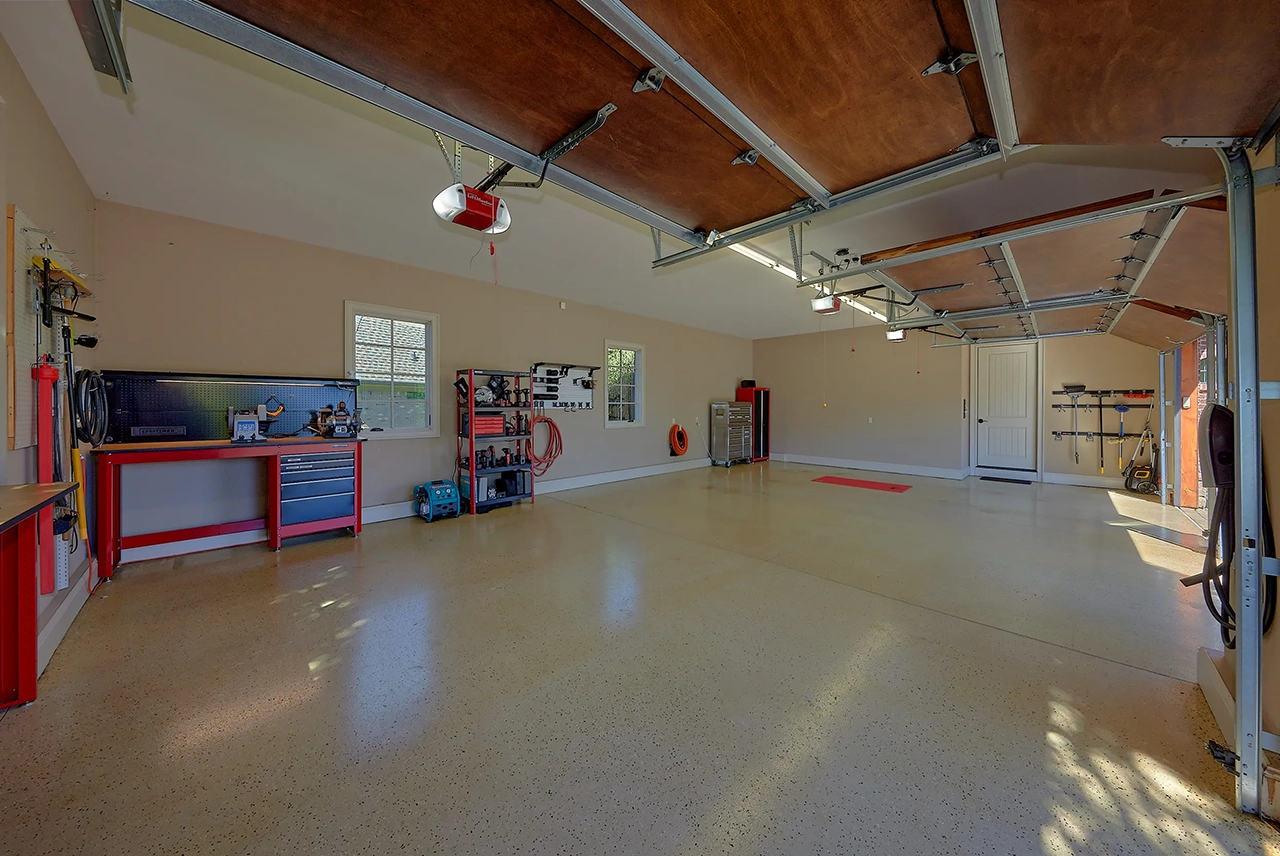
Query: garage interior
[[585, 426]]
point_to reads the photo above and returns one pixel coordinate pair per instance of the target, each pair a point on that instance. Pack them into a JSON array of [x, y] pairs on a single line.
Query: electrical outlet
[[868, 420], [697, 420], [673, 420]]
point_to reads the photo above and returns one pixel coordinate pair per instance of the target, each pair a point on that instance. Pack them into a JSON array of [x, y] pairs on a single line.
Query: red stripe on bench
[[869, 485]]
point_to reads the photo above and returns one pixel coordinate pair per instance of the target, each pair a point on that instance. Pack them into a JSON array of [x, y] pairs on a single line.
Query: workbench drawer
[[306, 510], [317, 487], [340, 471], [313, 459]]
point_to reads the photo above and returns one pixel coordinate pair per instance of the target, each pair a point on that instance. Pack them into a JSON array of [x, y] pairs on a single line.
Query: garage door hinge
[[952, 62], [1223, 756]]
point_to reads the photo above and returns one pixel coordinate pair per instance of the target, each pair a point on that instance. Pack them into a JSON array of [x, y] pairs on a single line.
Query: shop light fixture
[[895, 335]]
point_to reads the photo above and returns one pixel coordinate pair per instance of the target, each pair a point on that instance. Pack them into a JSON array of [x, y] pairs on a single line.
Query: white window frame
[[642, 369], [433, 349]]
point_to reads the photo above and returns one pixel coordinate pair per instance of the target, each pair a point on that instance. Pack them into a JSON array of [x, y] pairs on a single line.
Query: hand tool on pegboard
[[1075, 390]]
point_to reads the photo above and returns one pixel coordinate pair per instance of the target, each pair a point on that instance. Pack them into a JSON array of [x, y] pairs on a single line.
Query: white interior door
[[1007, 378]]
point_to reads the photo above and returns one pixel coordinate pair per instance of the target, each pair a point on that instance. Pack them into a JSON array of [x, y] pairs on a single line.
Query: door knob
[[980, 421]]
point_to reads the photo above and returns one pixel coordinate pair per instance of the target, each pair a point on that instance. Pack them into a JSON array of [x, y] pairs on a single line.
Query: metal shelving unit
[[472, 479]]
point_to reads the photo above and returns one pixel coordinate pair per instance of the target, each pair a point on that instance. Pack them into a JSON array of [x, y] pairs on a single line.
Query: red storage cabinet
[[758, 396]]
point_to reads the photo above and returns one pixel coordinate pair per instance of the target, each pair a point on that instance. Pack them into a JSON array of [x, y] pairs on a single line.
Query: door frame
[[1038, 405]]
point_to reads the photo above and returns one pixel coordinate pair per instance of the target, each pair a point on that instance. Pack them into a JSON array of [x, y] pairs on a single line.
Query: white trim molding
[[574, 482], [875, 467], [390, 511]]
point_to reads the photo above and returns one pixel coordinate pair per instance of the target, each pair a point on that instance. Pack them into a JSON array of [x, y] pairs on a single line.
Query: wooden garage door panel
[[1194, 268], [1074, 261], [836, 85], [1155, 329], [949, 270], [528, 72], [1069, 320], [1124, 72]]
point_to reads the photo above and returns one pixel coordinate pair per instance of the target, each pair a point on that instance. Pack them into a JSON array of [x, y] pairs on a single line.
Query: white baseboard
[[57, 625], [1107, 482], [875, 467], [390, 511], [574, 482]]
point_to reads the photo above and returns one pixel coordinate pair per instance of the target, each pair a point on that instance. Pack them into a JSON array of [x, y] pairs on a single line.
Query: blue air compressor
[[437, 499]]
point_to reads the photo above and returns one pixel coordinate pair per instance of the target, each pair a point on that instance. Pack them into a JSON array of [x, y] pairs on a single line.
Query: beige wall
[[889, 403], [38, 175], [184, 295], [1098, 362]]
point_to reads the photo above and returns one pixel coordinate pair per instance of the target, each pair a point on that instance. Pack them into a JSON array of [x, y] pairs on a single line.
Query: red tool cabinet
[[758, 396]]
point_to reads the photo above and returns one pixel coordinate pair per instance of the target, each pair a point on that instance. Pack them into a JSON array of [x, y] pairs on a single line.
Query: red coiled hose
[[555, 445]]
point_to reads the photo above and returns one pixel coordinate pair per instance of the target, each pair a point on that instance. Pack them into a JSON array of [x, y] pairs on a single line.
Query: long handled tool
[[1075, 390], [1102, 446], [1122, 409]]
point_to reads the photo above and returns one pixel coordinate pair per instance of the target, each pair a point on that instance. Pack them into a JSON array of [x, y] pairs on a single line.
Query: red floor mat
[[869, 485]]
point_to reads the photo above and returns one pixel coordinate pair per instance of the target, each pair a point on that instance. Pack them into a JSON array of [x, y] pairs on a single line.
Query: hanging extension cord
[[90, 395], [555, 446]]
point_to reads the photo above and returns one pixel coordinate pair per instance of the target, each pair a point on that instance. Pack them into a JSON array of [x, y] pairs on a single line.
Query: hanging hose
[[555, 446], [90, 397], [679, 440], [1215, 578]]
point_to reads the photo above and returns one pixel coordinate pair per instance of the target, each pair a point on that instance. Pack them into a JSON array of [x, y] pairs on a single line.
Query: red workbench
[[299, 472], [19, 506]]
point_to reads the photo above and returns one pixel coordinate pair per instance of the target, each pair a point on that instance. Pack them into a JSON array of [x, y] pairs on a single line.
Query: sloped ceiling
[[216, 134]]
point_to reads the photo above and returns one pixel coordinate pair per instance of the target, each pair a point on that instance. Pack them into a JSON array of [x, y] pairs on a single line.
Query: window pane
[[615, 412], [628, 377], [615, 393], [628, 413], [409, 334], [627, 394], [614, 357], [628, 359], [376, 331], [373, 362], [375, 403], [614, 375], [410, 365]]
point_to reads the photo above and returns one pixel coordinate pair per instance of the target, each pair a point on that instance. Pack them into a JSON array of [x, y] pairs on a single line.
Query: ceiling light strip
[[635, 32], [984, 21], [1170, 201], [980, 152], [234, 31]]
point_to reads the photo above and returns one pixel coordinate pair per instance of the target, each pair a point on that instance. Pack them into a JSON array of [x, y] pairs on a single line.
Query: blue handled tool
[[1122, 409]]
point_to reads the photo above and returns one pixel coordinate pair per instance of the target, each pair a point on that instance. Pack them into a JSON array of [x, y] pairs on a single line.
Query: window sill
[[402, 434], [612, 425]]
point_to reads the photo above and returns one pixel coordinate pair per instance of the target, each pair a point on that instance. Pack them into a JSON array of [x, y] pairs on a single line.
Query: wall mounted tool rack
[[494, 408], [1106, 393], [1108, 406], [563, 386]]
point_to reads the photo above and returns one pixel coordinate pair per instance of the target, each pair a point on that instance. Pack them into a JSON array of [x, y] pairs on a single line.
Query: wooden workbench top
[[20, 501], [182, 445]]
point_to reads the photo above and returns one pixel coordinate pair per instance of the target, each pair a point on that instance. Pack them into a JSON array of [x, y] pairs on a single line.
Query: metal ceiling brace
[[227, 28], [953, 62], [1244, 318], [1007, 252], [932, 317], [1101, 298], [650, 81], [561, 147], [984, 21], [971, 154], [1170, 201], [635, 32], [111, 19], [657, 242], [1148, 261], [1002, 339]]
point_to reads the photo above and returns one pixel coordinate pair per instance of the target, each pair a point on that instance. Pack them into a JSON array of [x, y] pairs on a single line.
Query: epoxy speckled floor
[[708, 662]]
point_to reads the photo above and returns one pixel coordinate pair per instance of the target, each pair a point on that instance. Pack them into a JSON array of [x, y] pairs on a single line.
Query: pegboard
[[563, 386], [24, 336], [155, 407]]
